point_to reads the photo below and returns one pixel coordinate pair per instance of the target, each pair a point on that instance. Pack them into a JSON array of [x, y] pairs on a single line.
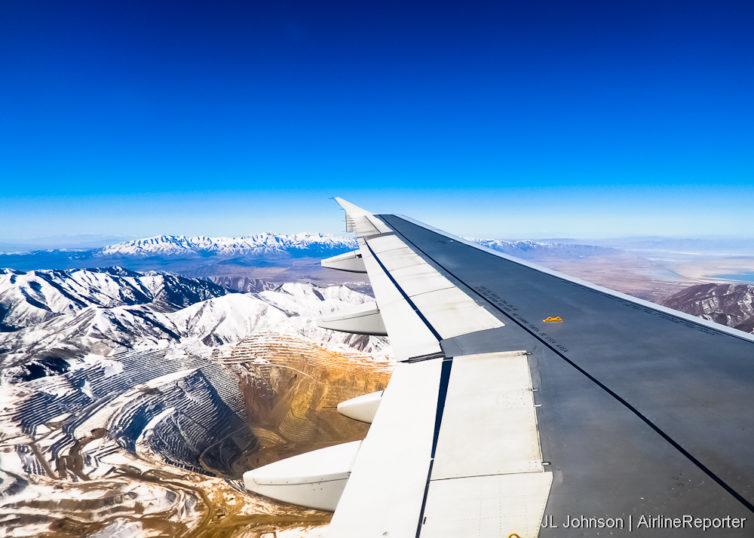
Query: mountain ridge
[[63, 314], [726, 304], [270, 243], [261, 243], [31, 297]]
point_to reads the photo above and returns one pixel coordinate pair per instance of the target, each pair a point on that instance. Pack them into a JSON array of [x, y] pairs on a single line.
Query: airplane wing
[[527, 403]]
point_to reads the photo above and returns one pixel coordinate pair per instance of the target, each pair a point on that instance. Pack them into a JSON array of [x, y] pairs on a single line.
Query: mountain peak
[[260, 243]]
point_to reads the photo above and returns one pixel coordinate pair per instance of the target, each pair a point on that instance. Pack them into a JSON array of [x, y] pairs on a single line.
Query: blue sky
[[526, 119]]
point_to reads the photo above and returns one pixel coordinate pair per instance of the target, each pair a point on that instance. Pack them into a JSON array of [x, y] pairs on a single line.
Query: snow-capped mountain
[[72, 313], [241, 263], [263, 243], [727, 304], [504, 245], [533, 249], [29, 298]]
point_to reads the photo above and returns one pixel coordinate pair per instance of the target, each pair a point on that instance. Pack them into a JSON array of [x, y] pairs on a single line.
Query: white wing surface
[[454, 448]]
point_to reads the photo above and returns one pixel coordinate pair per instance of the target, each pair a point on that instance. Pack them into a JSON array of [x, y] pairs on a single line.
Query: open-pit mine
[[156, 442]]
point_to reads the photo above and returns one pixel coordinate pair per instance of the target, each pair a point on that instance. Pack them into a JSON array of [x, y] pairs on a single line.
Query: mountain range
[[257, 244], [28, 298], [72, 313], [243, 260], [529, 249], [244, 256], [301, 244]]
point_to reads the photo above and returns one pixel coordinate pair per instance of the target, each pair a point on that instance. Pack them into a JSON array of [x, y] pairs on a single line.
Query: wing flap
[[483, 506], [489, 425], [384, 494]]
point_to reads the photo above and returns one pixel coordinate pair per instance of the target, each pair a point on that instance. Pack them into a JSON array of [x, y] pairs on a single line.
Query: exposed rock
[[727, 304]]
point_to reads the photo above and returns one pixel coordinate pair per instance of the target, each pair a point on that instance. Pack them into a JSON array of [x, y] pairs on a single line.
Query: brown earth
[[290, 388]]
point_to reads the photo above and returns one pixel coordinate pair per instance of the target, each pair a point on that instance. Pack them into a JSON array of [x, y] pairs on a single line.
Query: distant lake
[[744, 277]]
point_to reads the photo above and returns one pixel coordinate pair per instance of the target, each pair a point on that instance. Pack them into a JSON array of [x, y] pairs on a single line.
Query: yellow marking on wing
[[550, 318]]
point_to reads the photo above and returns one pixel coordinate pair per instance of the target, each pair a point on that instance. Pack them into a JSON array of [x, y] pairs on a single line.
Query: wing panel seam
[[442, 394]]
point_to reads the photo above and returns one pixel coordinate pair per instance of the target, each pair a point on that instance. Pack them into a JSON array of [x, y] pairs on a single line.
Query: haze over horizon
[[536, 120], [729, 245]]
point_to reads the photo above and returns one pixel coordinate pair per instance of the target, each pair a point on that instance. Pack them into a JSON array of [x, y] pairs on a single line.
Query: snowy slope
[[28, 298], [291, 309], [226, 319]]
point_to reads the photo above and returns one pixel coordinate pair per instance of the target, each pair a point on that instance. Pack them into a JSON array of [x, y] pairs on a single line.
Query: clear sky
[[502, 119]]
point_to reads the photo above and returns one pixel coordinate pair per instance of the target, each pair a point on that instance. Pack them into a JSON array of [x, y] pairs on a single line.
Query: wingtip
[[359, 220], [348, 206]]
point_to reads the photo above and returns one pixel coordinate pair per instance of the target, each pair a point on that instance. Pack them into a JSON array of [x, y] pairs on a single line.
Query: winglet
[[360, 221]]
